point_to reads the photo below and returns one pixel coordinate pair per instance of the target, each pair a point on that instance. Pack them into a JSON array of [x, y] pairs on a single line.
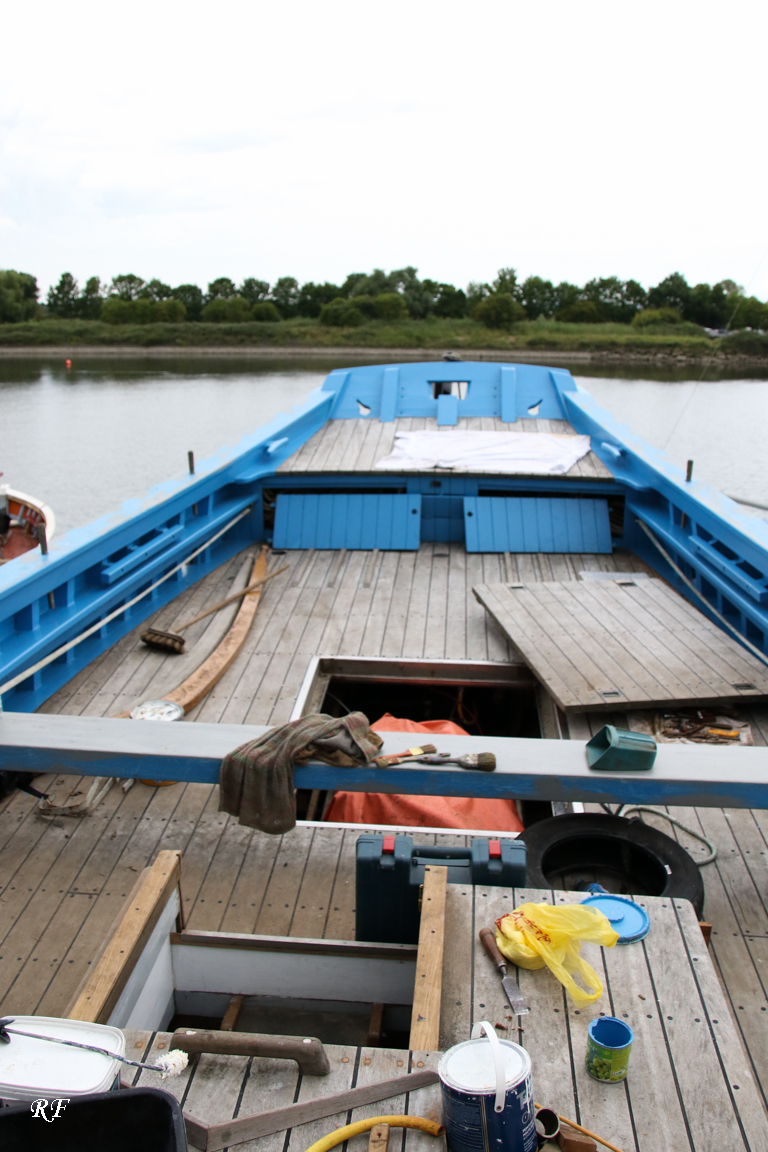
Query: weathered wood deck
[[351, 446], [63, 882], [689, 1082]]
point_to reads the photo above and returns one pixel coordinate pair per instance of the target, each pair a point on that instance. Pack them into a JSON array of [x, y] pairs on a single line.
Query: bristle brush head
[[482, 761]]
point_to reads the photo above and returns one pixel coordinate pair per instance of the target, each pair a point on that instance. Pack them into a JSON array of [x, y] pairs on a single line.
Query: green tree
[[476, 293], [114, 310], [565, 295], [418, 295], [538, 297], [375, 284], [192, 298], [254, 291], [221, 289], [450, 302], [656, 318], [390, 306], [672, 292], [156, 290], [341, 313], [221, 310], [64, 299], [746, 311], [499, 310], [18, 297], [313, 296], [349, 286], [580, 312], [285, 296], [616, 300], [709, 306], [506, 283], [265, 312], [126, 287], [91, 299]]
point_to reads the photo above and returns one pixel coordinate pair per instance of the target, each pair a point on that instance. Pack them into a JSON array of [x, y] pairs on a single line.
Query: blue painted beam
[[696, 775]]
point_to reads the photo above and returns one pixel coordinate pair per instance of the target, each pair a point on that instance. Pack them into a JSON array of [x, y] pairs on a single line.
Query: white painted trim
[[410, 828], [239, 971], [145, 999]]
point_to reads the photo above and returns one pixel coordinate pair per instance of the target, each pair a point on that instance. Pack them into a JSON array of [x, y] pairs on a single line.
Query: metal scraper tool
[[508, 983]]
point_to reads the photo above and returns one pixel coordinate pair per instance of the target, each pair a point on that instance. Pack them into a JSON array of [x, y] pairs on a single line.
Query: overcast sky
[[570, 140]]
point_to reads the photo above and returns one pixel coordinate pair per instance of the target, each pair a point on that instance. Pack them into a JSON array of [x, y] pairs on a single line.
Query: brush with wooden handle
[[173, 642], [479, 761]]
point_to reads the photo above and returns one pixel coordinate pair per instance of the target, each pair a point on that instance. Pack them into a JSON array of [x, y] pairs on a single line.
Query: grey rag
[[256, 780]]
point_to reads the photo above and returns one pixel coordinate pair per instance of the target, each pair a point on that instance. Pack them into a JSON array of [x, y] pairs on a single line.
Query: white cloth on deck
[[535, 453]]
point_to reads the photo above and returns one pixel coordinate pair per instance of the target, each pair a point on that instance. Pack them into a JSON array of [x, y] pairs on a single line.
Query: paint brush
[[477, 761]]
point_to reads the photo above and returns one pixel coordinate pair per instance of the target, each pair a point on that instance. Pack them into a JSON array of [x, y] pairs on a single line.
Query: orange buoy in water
[[68, 364]]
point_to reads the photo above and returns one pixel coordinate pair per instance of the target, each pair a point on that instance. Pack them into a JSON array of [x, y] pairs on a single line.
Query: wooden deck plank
[[279, 903], [456, 604], [616, 619], [340, 924], [215, 892], [600, 657], [671, 662], [724, 655], [568, 644], [418, 604], [250, 884], [397, 619], [343, 1060], [437, 608], [382, 574], [313, 901], [541, 647]]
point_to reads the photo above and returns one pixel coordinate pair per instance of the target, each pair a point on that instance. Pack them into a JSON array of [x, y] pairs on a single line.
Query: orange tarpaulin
[[423, 811]]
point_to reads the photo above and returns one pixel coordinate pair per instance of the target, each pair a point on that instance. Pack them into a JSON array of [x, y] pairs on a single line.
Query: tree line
[[379, 295]]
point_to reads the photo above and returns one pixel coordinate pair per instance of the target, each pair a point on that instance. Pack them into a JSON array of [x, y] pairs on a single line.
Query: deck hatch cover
[[536, 524], [358, 521], [602, 644]]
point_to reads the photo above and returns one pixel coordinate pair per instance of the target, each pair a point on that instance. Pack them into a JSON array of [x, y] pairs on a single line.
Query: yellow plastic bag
[[537, 934]]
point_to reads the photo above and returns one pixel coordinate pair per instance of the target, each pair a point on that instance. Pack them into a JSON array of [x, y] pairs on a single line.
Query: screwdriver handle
[[488, 941]]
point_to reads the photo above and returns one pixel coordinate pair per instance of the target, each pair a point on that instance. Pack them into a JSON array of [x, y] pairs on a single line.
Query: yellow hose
[[431, 1127]]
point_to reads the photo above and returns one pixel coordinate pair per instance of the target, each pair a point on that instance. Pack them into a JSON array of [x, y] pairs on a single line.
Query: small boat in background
[[25, 523]]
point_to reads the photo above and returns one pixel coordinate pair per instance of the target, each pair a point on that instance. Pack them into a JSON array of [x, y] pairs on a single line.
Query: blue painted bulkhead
[[94, 570]]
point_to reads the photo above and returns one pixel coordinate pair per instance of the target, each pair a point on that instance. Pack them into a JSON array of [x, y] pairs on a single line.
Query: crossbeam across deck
[[696, 775]]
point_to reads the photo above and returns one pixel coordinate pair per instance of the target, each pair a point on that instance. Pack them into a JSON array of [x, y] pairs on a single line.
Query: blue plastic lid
[[627, 918]]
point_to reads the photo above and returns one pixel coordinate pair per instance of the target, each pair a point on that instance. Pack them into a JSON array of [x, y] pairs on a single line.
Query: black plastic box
[[390, 870], [133, 1120]]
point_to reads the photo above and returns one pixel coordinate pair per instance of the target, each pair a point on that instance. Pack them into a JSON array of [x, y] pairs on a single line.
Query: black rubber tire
[[652, 863]]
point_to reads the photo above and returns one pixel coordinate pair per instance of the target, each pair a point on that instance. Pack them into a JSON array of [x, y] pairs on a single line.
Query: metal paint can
[[487, 1095], [609, 1043]]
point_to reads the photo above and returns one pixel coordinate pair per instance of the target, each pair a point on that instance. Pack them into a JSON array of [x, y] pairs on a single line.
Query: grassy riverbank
[[676, 341]]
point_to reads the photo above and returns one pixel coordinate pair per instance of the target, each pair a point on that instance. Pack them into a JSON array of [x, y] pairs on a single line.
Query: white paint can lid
[[30, 1068], [469, 1067]]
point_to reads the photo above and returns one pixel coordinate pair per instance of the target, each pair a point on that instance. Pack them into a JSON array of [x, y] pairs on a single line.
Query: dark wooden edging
[[236, 940]]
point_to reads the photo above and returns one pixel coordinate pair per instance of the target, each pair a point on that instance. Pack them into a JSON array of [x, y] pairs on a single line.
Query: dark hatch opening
[[333, 1022], [481, 709]]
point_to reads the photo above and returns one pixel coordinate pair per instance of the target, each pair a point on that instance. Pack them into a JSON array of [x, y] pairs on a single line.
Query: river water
[[85, 440]]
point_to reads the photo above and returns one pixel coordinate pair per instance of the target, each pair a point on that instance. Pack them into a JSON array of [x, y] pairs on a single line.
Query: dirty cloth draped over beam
[[539, 453], [256, 780]]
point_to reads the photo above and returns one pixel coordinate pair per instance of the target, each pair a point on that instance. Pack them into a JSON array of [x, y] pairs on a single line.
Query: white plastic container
[[33, 1068]]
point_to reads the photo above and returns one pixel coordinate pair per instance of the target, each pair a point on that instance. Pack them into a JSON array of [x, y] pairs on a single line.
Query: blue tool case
[[390, 870]]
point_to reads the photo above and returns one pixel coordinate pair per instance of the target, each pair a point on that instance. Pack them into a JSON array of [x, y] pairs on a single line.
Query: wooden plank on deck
[[566, 633]]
